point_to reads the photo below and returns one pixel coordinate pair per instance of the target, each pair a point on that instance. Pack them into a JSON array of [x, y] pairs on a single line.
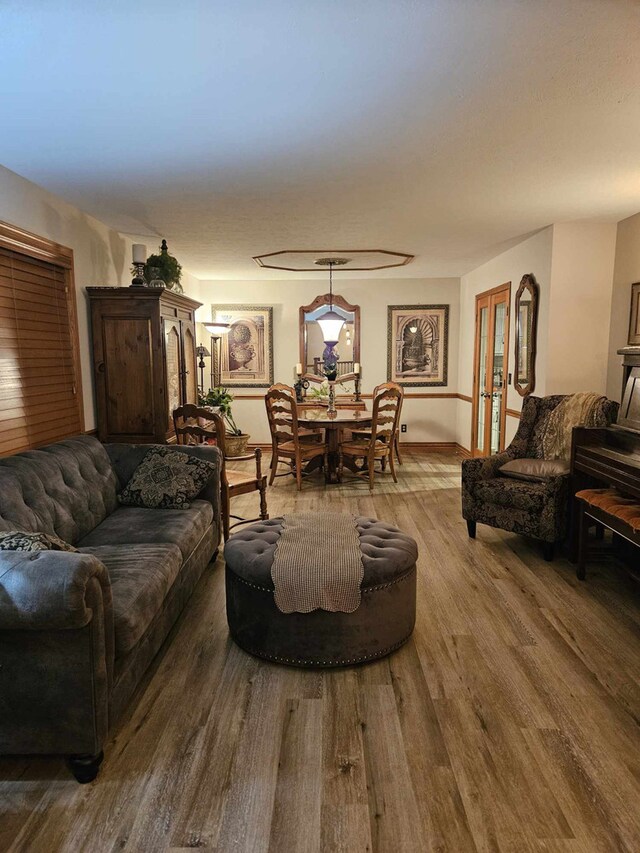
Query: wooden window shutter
[[40, 383]]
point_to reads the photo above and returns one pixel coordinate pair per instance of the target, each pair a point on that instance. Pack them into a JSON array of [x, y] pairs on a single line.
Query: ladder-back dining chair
[[303, 432], [366, 432], [379, 443], [287, 442], [195, 425]]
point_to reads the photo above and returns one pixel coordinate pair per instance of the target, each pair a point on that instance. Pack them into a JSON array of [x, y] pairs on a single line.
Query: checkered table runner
[[317, 563]]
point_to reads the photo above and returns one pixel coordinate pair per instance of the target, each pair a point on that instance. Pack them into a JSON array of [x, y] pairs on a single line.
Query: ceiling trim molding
[[404, 259]]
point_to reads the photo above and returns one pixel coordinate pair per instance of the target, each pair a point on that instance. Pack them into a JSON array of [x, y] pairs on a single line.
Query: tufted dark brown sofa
[[78, 630], [533, 509]]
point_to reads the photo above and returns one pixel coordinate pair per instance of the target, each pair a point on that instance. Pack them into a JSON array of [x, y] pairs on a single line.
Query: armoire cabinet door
[[190, 376], [173, 367], [123, 348]]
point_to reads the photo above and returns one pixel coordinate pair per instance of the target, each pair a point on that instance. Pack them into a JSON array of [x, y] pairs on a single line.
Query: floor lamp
[[202, 353], [216, 347], [217, 330]]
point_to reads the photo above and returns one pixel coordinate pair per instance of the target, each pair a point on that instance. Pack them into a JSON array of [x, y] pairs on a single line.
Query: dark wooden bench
[[590, 512]]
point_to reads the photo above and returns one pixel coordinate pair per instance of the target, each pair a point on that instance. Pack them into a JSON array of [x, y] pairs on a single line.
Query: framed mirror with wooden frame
[[524, 378], [312, 344]]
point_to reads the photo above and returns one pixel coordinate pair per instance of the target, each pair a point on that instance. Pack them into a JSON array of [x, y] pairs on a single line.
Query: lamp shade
[[331, 325], [215, 328]]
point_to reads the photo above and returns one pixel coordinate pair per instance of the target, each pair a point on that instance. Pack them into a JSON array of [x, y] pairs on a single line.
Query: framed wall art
[[246, 352], [417, 344], [634, 320]]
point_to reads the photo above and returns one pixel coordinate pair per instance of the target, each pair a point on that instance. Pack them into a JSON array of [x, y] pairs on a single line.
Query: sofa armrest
[[56, 653], [42, 590]]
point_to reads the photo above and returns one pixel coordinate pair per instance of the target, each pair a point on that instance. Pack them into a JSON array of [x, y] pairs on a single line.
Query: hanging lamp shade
[[331, 325]]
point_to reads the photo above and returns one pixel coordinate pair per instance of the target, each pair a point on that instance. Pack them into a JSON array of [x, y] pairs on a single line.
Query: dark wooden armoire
[[144, 360]]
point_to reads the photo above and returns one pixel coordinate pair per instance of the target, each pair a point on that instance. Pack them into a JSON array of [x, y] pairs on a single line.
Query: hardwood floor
[[509, 722]]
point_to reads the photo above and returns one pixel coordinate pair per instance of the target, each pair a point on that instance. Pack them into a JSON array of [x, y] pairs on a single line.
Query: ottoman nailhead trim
[[278, 659], [391, 583], [238, 579], [364, 591]]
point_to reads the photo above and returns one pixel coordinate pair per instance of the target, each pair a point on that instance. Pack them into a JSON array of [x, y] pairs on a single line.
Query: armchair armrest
[[50, 590], [485, 467]]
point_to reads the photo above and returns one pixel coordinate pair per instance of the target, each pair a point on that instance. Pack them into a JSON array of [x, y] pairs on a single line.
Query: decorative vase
[[236, 445], [242, 355], [155, 280]]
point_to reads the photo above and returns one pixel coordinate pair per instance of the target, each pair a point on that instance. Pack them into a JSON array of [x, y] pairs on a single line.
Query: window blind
[[39, 375]]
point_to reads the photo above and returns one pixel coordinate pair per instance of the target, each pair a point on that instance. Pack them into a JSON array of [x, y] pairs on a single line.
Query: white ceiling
[[442, 128]]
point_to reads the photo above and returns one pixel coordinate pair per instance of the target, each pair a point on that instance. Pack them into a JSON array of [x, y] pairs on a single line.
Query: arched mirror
[[526, 321], [312, 345]]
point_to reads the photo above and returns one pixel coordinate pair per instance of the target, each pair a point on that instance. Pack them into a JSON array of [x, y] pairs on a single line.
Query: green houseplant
[[320, 394], [221, 398], [165, 267]]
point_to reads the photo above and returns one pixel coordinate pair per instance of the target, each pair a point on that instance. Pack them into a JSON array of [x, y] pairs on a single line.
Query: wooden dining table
[[332, 424]]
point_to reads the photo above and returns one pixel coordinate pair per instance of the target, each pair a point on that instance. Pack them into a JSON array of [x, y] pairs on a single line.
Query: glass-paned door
[[490, 371], [482, 336], [498, 384]]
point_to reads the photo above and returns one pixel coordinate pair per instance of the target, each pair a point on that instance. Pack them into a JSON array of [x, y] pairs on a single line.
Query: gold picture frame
[[417, 345], [246, 352]]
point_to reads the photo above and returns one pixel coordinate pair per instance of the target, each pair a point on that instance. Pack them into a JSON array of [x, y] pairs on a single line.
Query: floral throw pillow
[[166, 479], [21, 540]]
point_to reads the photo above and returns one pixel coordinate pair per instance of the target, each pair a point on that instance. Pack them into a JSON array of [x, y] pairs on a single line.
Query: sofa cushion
[[535, 470], [135, 525], [65, 488], [166, 479], [503, 491], [141, 576]]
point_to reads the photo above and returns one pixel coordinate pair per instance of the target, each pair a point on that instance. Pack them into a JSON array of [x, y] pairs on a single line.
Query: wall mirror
[[526, 321], [311, 342]]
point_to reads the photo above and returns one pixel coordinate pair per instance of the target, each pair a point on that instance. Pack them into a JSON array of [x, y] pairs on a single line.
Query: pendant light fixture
[[331, 322]]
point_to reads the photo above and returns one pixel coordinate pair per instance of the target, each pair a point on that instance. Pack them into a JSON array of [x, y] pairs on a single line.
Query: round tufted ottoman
[[383, 621]]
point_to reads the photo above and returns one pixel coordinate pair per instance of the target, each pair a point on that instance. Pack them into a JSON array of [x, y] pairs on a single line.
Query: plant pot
[[236, 445]]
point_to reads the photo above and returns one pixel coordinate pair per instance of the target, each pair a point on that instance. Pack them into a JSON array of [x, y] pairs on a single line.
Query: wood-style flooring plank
[[298, 800], [510, 721]]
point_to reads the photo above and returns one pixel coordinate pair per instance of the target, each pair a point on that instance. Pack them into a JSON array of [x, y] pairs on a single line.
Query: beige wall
[[584, 271], [102, 256], [573, 264], [531, 256], [577, 344], [626, 272], [427, 420]]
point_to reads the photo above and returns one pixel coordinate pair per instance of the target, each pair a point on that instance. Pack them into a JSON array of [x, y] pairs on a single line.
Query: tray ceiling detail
[[306, 260]]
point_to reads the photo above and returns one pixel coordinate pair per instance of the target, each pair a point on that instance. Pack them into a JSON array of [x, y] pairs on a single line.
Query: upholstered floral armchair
[[533, 508]]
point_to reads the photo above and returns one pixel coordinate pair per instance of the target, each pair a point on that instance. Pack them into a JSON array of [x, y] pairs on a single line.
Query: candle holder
[[300, 386], [332, 399], [138, 279], [357, 398]]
